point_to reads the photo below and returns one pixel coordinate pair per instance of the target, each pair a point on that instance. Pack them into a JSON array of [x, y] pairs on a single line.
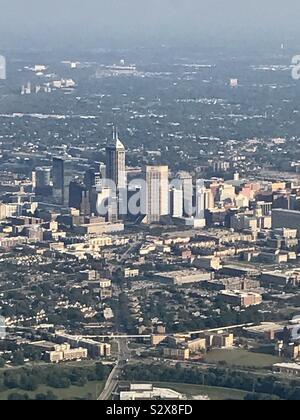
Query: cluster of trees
[[124, 321], [217, 377], [17, 354], [53, 376], [160, 307], [50, 396]]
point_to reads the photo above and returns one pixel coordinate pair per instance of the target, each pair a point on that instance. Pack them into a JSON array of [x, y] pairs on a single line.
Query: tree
[[59, 381], [50, 396], [18, 358], [18, 397], [29, 382]]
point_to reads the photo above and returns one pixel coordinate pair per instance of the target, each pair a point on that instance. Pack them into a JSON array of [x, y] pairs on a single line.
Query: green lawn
[[242, 358], [74, 392], [214, 393]]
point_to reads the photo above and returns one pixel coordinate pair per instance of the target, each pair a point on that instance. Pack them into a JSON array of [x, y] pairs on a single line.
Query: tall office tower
[[58, 180], [93, 184], [176, 202], [116, 162], [200, 203], [33, 180], [42, 181], [90, 178], [80, 198], [157, 178], [85, 208], [102, 170], [63, 174], [204, 199], [186, 181], [209, 200], [78, 193]]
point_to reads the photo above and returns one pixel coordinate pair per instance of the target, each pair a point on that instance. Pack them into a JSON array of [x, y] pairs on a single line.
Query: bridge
[[189, 333], [115, 336]]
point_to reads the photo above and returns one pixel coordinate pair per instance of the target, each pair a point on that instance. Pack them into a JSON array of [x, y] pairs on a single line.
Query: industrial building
[[184, 277]]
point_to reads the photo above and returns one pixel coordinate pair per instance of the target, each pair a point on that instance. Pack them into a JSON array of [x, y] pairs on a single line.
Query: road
[[187, 333], [124, 355], [131, 249]]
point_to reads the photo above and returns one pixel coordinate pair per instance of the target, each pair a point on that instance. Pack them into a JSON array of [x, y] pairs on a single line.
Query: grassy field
[[214, 393], [243, 358], [74, 392]]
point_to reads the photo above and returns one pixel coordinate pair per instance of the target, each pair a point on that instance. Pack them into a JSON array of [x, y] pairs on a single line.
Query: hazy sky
[[91, 23]]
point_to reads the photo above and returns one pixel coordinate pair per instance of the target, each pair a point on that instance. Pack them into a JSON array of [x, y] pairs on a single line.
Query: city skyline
[[149, 203]]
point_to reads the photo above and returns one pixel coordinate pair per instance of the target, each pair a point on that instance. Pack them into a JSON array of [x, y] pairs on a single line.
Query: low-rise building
[[208, 263], [95, 349], [218, 341], [196, 346], [265, 331], [149, 392], [180, 353], [64, 353], [280, 278], [242, 299], [234, 283], [105, 283], [157, 339], [131, 273], [184, 277], [292, 369]]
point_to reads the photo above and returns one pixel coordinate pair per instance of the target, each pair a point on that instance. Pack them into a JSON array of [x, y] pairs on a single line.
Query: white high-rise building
[[200, 203], [177, 202], [157, 178], [116, 162], [186, 182], [204, 199]]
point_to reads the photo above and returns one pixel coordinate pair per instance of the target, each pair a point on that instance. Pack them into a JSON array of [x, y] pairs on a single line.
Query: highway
[[187, 333], [133, 247], [124, 355]]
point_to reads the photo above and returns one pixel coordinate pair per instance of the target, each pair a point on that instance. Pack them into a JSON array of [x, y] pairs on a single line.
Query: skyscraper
[[42, 181], [176, 202], [79, 197], [58, 180], [62, 176], [186, 181], [116, 162], [157, 178], [204, 199]]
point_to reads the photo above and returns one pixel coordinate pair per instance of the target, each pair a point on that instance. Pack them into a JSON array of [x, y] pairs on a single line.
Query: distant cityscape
[[149, 227]]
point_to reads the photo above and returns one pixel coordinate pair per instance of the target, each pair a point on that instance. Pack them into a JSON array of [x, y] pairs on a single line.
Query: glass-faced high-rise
[[63, 174]]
